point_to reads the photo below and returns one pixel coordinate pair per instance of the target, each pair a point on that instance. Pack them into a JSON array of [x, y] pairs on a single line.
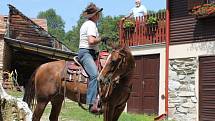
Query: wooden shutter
[[207, 88]]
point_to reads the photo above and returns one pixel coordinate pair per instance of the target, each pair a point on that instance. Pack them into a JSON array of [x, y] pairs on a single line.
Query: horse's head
[[119, 63]]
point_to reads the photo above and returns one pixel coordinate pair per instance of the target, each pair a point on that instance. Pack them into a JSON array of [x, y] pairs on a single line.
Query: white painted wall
[[149, 50], [193, 50]]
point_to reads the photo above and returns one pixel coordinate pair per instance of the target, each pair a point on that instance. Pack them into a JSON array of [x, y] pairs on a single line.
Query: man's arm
[[129, 16], [92, 40]]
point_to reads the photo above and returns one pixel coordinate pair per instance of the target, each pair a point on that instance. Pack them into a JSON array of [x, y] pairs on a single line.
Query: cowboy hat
[[91, 10]]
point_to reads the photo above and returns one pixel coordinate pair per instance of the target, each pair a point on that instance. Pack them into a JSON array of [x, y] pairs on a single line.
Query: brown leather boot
[[93, 108]]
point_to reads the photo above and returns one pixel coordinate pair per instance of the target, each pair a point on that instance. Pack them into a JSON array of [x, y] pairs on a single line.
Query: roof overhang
[[40, 49]]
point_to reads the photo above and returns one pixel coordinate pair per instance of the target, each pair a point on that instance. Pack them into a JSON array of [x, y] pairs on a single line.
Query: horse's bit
[[107, 81]]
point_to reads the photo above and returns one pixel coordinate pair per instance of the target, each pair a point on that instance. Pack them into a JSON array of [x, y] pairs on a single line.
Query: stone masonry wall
[[182, 96]]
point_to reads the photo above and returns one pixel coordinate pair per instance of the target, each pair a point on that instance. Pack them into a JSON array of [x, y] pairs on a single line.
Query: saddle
[[75, 72]]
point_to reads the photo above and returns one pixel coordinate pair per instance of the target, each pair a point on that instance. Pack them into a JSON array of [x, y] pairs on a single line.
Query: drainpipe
[[167, 55]]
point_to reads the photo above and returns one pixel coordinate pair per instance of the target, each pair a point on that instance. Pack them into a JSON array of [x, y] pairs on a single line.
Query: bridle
[[108, 81], [115, 68]]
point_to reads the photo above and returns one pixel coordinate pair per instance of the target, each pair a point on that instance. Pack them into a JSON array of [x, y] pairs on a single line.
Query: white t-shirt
[[88, 29], [140, 11]]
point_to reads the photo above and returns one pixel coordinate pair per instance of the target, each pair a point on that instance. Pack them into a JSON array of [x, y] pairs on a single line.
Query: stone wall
[[182, 94]]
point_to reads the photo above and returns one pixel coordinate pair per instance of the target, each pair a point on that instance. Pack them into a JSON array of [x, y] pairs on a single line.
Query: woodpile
[[10, 81]]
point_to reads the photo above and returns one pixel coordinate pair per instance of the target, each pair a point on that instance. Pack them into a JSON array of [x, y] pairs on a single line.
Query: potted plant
[[152, 21], [204, 10], [129, 25], [152, 24]]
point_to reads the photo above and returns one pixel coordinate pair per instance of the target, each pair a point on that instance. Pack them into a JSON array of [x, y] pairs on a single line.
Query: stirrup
[[76, 59]]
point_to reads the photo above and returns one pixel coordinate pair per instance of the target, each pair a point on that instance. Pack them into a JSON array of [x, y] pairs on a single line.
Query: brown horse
[[46, 84], [115, 83]]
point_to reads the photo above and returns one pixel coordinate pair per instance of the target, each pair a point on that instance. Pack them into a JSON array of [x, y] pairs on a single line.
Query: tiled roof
[[30, 30]]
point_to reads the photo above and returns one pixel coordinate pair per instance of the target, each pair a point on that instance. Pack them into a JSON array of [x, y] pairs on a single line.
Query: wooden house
[[175, 75], [191, 58], [26, 44]]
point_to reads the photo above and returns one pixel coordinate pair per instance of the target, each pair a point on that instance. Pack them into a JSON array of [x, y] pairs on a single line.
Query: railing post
[[120, 33]]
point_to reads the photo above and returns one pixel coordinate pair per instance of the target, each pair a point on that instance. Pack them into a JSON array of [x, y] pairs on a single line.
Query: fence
[[144, 32]]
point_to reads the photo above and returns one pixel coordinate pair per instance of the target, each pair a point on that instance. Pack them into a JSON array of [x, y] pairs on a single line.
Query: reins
[[113, 82]]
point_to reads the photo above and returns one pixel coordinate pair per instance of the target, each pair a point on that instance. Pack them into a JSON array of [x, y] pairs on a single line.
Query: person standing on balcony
[[138, 11]]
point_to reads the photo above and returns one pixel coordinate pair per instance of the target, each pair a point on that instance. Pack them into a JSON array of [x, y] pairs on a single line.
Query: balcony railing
[[144, 33]]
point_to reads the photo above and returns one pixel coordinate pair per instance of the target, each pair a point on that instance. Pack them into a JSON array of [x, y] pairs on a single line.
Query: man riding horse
[[88, 49], [49, 82]]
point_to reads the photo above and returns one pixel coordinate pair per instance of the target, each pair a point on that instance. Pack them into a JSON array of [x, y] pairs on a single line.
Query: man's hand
[[105, 39], [123, 18]]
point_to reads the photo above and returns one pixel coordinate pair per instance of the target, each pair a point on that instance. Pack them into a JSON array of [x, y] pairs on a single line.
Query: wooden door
[[145, 92]]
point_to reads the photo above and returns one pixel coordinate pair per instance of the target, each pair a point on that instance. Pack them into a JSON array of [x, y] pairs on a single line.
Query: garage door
[[144, 96], [207, 88]]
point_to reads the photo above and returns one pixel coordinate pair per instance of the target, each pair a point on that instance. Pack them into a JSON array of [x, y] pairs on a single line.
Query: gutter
[[167, 55], [40, 49]]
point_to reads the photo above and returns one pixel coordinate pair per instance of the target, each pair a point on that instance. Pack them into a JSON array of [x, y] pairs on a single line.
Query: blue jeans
[[87, 57]]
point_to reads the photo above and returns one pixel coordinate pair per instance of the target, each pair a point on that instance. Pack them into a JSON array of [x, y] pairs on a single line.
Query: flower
[[128, 24], [152, 20], [203, 10]]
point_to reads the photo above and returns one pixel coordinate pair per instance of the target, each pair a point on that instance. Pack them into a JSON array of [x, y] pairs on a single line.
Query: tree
[[108, 27], [151, 12], [162, 10], [72, 37], [55, 23]]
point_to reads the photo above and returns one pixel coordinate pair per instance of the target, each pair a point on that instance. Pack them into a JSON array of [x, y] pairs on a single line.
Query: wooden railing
[[144, 33]]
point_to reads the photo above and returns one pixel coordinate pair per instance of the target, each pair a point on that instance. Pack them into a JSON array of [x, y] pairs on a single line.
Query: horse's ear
[[125, 49], [117, 47]]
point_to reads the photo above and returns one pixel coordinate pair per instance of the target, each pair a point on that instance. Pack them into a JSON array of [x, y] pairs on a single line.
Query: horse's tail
[[29, 93]]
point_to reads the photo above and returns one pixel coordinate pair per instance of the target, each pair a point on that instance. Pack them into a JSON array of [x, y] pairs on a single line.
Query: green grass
[[72, 112], [16, 94]]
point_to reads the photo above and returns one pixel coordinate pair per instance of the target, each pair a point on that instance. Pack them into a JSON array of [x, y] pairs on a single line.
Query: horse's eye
[[113, 62]]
